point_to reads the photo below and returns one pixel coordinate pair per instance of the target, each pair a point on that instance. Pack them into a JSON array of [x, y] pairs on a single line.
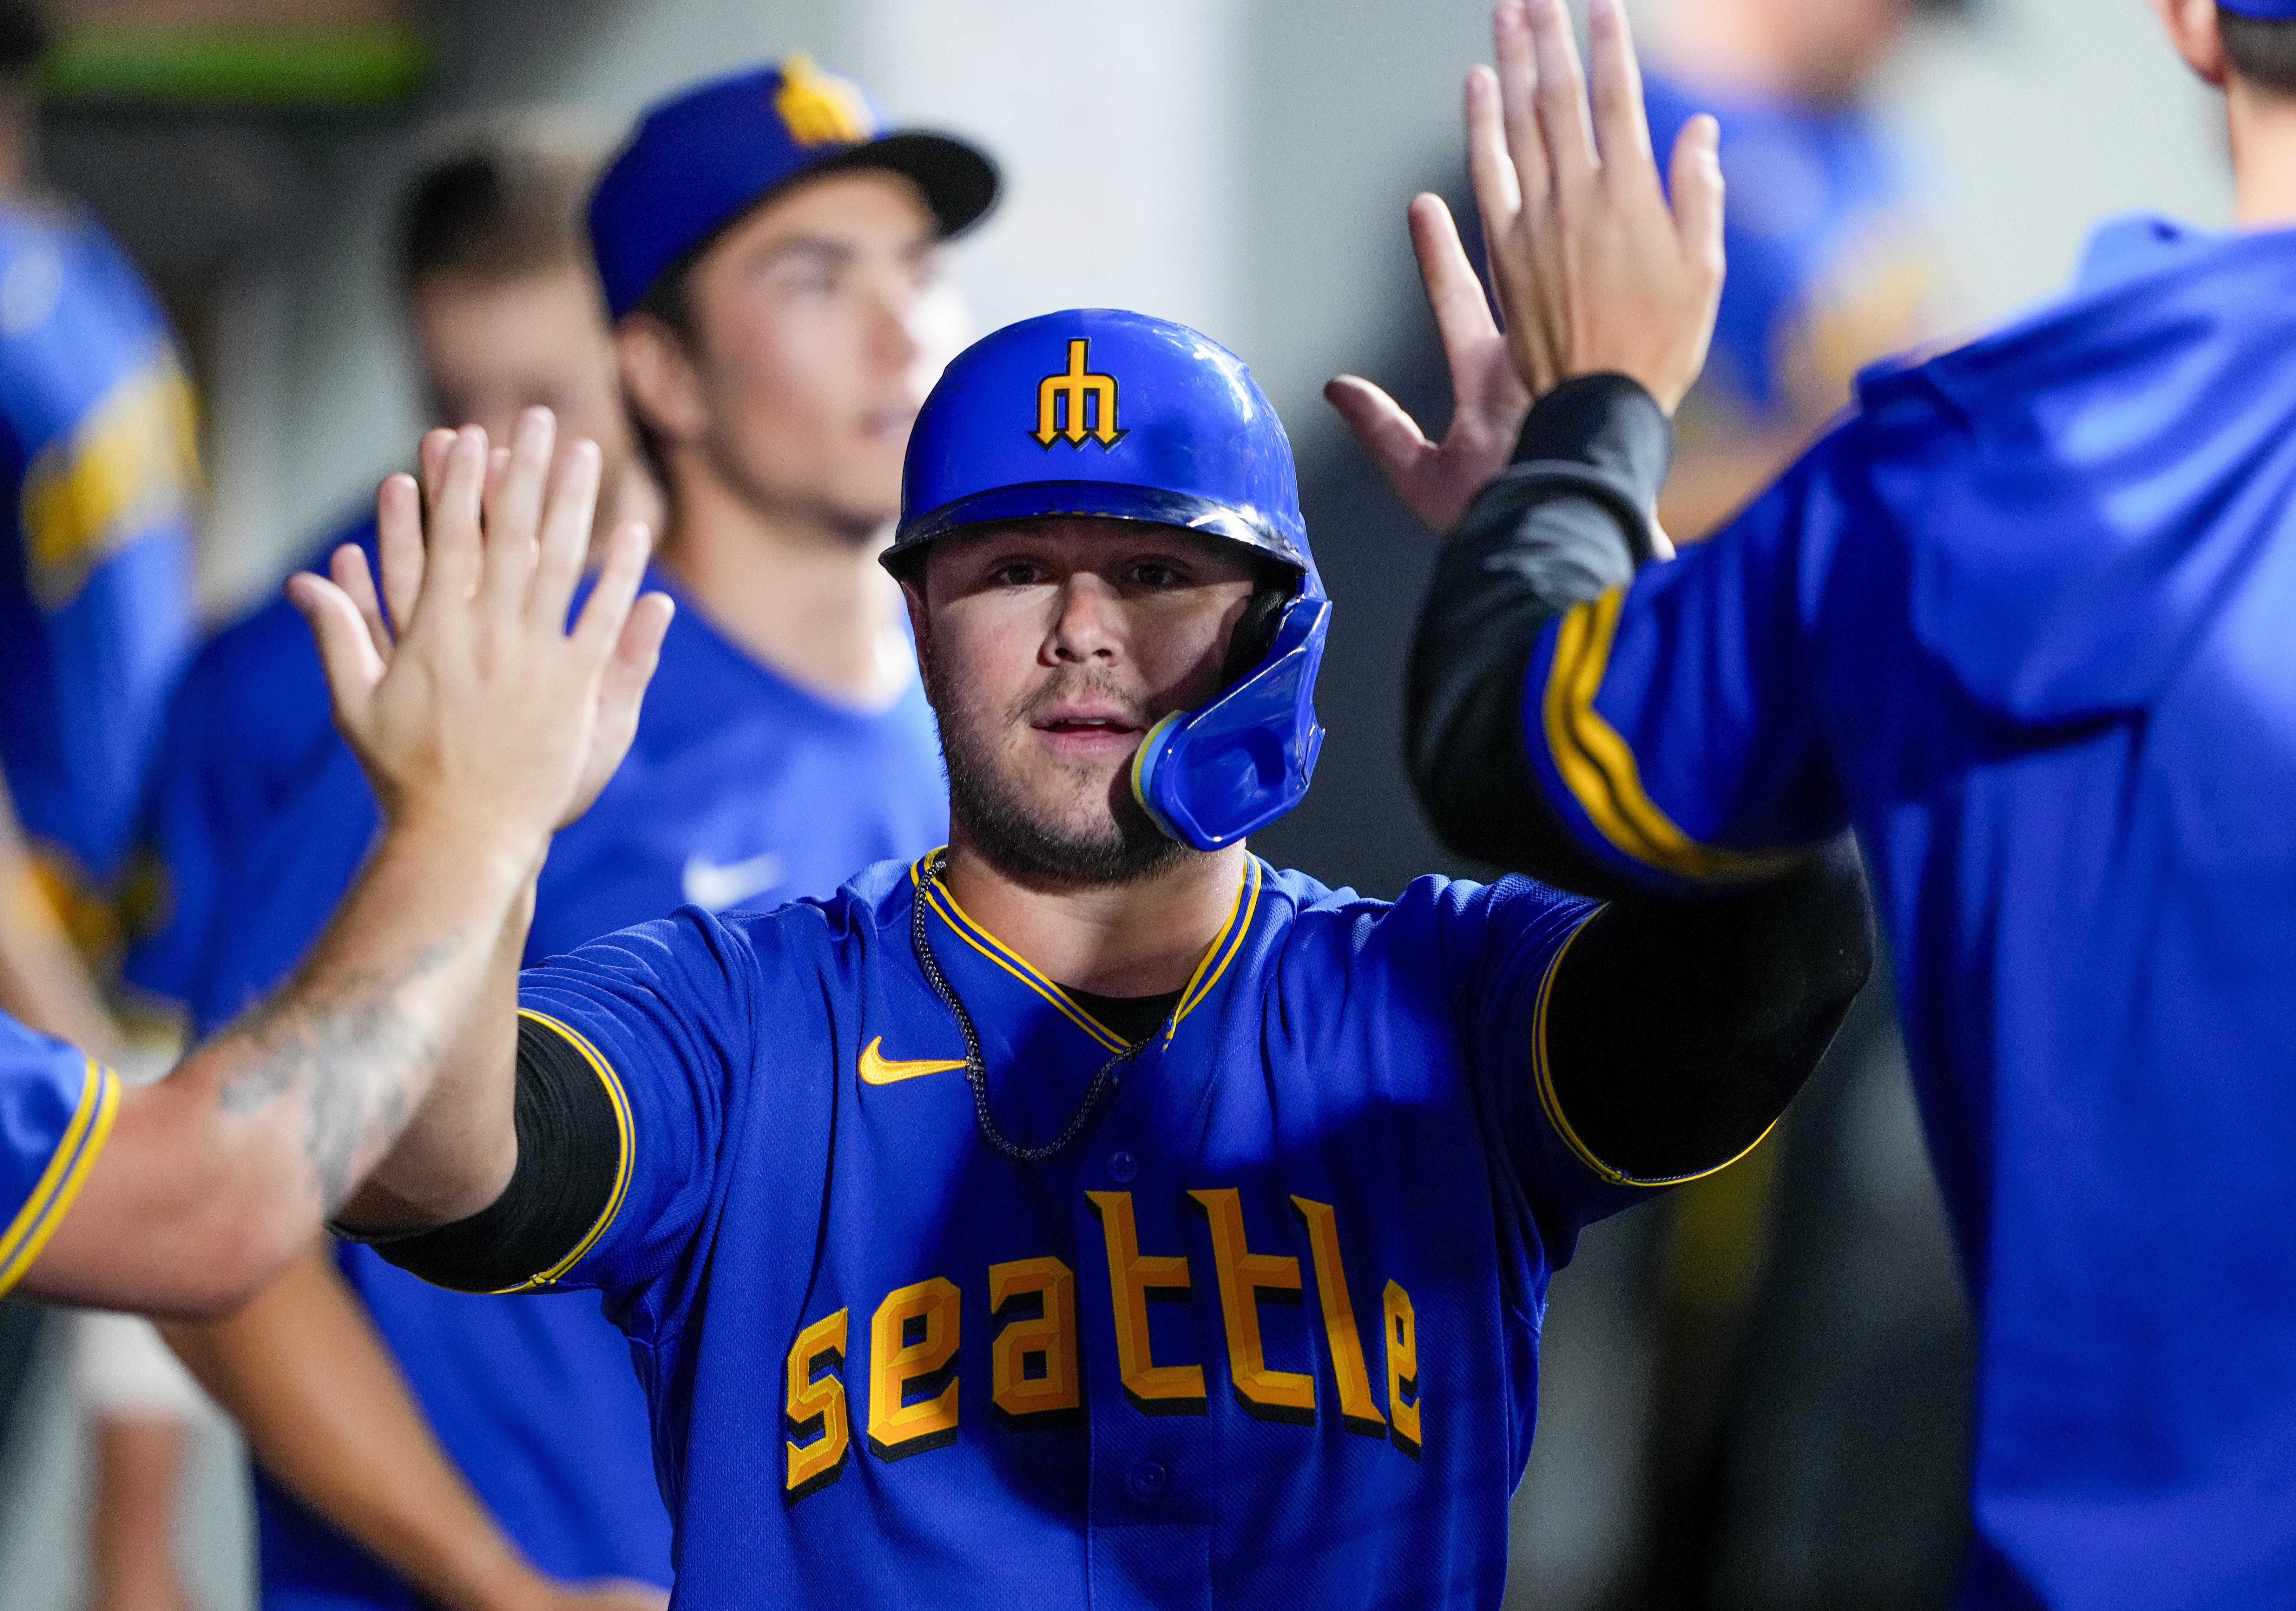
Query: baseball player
[[2022, 620], [1087, 1212], [488, 724], [770, 256]]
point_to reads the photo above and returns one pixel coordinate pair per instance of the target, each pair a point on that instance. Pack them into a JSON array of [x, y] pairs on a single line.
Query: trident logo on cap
[[820, 108], [1077, 388]]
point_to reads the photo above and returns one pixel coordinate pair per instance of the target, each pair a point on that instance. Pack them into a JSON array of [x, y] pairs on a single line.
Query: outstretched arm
[[329, 1417], [484, 723]]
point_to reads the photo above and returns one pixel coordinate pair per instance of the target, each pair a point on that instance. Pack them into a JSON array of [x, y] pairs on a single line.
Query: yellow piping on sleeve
[[1598, 766], [1552, 1105], [60, 1182], [621, 1100]]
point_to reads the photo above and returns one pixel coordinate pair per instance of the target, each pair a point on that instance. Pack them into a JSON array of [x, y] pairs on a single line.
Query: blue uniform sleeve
[[1676, 722], [662, 1014], [56, 1108], [1499, 948], [96, 618]]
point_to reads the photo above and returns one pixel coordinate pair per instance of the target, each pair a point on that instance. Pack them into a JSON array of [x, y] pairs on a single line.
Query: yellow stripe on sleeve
[[1598, 766], [1552, 1105], [619, 1098], [60, 1182]]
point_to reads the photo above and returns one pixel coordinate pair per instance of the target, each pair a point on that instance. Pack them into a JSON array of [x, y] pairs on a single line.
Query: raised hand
[[1596, 273], [1436, 481], [471, 705]]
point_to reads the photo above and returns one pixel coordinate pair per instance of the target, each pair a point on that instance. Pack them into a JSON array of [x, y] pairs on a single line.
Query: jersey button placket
[[1148, 1480], [1123, 1168]]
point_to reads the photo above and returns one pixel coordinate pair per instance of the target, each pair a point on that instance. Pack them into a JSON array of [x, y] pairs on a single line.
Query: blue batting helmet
[[1099, 412]]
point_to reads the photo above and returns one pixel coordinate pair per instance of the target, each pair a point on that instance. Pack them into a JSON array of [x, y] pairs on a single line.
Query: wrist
[[1610, 422], [487, 855], [492, 1575]]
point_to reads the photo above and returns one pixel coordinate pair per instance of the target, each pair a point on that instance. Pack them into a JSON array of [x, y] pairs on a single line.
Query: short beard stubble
[[1017, 840]]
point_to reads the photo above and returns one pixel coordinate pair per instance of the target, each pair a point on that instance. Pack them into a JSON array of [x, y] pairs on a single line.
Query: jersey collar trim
[[1217, 956]]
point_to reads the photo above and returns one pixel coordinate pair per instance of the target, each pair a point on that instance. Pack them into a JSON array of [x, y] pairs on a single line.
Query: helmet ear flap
[[1255, 628]]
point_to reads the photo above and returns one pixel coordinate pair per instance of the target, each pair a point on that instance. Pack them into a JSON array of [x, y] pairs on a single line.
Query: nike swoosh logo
[[878, 1069], [714, 887]]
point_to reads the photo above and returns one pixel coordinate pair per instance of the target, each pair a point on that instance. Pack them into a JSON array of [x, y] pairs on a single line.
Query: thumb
[[1695, 180], [1391, 436], [346, 648]]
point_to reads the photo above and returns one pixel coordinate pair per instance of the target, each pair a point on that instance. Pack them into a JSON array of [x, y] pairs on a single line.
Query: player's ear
[[2192, 28], [659, 375], [912, 578]]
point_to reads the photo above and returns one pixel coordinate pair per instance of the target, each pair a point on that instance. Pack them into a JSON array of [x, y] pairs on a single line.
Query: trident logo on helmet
[[1076, 386]]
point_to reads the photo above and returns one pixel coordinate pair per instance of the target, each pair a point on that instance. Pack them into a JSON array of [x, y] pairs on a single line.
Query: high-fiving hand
[[1595, 270], [474, 707]]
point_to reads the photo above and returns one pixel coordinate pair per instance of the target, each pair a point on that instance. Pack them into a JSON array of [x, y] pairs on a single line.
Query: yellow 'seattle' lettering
[[1153, 1389], [1402, 1371], [1049, 1337], [897, 1430], [1077, 388], [1358, 1412], [815, 1404], [1271, 1395]]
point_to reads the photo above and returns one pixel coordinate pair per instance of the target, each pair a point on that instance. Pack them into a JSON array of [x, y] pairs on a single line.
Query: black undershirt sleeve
[[570, 1155], [1680, 1027], [1565, 523]]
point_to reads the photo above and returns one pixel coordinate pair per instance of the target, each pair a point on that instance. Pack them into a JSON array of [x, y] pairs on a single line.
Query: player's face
[[1050, 647], [489, 348], [820, 324]]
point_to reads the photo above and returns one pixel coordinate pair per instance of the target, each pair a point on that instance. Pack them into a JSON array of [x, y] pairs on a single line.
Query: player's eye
[[1019, 573], [1155, 574]]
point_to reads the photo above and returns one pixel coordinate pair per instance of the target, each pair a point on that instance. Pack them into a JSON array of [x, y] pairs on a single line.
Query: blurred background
[[1752, 1400]]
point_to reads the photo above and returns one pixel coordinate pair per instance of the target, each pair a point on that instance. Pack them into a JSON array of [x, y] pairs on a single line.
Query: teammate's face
[[1050, 647], [489, 348], [821, 323]]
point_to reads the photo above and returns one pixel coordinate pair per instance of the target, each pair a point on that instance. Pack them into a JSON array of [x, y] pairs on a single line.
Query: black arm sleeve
[[1679, 1029], [570, 1155], [1565, 523]]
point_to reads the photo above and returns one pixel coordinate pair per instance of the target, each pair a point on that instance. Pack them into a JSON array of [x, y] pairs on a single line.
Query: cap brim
[[958, 180]]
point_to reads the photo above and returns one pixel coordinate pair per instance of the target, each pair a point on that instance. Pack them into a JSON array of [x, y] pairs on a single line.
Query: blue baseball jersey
[[740, 789], [1269, 1330], [56, 1108], [97, 459], [1824, 274], [249, 726], [2023, 620]]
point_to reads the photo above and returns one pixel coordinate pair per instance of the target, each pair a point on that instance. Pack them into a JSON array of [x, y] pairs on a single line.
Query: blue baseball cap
[[701, 159]]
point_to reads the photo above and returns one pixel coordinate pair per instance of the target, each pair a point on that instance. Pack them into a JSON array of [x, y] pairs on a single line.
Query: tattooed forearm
[[349, 1050]]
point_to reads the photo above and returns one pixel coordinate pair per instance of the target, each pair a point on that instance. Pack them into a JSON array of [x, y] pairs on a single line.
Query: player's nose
[[1087, 623]]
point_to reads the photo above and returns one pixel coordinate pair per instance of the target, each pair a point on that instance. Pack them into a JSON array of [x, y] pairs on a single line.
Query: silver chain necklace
[[976, 1069]]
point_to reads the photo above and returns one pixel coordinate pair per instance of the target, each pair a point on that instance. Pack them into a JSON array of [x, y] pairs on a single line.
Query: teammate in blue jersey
[[97, 453], [1087, 1212], [2021, 620], [778, 333]]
